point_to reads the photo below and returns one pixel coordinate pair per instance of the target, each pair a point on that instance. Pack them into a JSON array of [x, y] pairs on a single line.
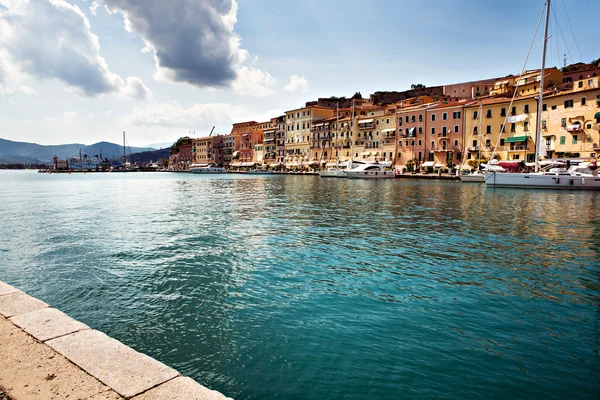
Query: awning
[[269, 130], [428, 164], [388, 130], [597, 115], [517, 118], [247, 164], [549, 134], [317, 125], [235, 154], [516, 139], [268, 139], [365, 121], [438, 165]]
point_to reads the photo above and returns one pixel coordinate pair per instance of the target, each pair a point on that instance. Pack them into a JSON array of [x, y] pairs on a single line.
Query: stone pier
[[45, 354]]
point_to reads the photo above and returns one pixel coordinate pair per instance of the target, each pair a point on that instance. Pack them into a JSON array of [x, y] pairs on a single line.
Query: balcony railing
[[365, 126]]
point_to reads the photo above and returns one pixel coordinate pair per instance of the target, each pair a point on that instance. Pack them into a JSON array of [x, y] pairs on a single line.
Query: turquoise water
[[300, 287]]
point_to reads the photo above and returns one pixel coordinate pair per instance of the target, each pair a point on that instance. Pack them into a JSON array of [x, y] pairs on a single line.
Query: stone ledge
[[47, 323], [19, 303], [97, 366]]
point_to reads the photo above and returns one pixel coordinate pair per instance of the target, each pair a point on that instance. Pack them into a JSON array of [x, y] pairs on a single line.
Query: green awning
[[516, 139], [597, 115]]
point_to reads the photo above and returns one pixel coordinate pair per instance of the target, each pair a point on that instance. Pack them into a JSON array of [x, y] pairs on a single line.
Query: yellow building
[[526, 84], [202, 151], [571, 121], [485, 136], [298, 133]]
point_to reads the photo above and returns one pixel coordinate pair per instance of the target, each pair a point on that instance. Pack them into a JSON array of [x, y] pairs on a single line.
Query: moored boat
[[370, 171], [206, 169]]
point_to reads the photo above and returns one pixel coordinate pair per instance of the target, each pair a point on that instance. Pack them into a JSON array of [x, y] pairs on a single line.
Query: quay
[[47, 355]]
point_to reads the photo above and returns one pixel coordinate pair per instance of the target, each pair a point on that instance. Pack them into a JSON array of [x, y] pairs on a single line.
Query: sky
[[84, 71]]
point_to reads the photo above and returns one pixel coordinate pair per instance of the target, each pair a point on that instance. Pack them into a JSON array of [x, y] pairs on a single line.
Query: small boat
[[206, 169], [476, 176], [370, 171], [333, 172], [260, 171]]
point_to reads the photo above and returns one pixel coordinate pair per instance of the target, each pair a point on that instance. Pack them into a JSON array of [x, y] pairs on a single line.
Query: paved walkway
[[44, 354]]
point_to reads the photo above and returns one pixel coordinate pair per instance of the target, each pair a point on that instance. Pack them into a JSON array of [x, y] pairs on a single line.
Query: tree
[[357, 95], [417, 86]]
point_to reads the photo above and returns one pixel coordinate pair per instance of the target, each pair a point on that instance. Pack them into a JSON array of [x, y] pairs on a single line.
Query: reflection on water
[[300, 287]]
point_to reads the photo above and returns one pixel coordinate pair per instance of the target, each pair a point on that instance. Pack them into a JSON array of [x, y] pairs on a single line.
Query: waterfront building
[[280, 140], [494, 126], [180, 157], [571, 120], [412, 127], [202, 151], [244, 142], [445, 132], [580, 71], [321, 140], [269, 142], [526, 84], [229, 146], [469, 90], [298, 131]]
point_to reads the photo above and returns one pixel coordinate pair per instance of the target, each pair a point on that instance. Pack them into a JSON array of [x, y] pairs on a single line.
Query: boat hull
[[208, 170], [542, 181], [474, 178], [339, 173], [370, 174]]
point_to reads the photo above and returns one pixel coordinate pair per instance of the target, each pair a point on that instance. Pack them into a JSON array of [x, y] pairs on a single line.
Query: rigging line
[[563, 38], [573, 33], [555, 38], [503, 127]]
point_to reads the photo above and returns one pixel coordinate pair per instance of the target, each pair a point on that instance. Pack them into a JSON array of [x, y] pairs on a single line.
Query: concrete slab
[[5, 288], [106, 396], [19, 303], [123, 369], [31, 370], [47, 323], [181, 388]]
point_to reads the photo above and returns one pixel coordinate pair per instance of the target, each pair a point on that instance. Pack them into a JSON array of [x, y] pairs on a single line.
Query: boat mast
[[337, 132], [480, 135], [124, 153], [538, 120]]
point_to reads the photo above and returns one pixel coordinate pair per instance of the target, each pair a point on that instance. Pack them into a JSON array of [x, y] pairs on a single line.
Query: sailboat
[[579, 177], [125, 168], [335, 171]]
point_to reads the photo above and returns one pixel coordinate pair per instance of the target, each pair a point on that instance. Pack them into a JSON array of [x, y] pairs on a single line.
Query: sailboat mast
[[538, 121], [480, 135], [124, 153]]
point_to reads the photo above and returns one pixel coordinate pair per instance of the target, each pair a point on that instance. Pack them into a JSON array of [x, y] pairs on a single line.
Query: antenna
[[565, 60], [211, 131]]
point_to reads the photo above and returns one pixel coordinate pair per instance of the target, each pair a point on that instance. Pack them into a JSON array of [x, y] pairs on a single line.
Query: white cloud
[[194, 42], [172, 115], [297, 84], [68, 117], [93, 7], [52, 39], [253, 82]]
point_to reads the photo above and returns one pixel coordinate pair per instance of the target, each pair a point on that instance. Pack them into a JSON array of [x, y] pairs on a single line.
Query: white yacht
[[332, 172], [370, 171], [206, 169]]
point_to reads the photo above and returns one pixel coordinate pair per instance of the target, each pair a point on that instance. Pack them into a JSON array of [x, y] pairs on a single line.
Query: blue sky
[[74, 71]]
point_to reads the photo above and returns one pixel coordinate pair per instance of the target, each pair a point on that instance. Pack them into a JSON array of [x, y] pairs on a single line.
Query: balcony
[[517, 148], [443, 134], [365, 126]]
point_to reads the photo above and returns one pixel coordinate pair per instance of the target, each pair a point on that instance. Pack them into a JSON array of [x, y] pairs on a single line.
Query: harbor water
[[296, 287]]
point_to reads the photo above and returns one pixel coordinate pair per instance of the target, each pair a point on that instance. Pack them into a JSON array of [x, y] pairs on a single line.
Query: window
[[488, 142], [407, 120], [488, 114], [563, 139], [502, 128], [412, 118], [513, 111], [456, 114], [444, 116], [554, 107], [543, 124], [420, 130], [475, 113], [580, 84], [387, 120], [400, 143], [526, 126], [433, 117], [526, 108], [513, 127], [420, 142], [376, 122], [474, 143], [474, 130], [455, 128], [563, 122], [501, 142], [444, 130], [433, 144], [574, 139], [456, 143], [420, 117], [503, 112], [433, 130], [488, 129], [568, 103], [583, 101], [544, 107]]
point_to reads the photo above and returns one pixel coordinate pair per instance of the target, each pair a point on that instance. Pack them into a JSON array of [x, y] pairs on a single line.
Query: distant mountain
[[162, 145], [23, 152]]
